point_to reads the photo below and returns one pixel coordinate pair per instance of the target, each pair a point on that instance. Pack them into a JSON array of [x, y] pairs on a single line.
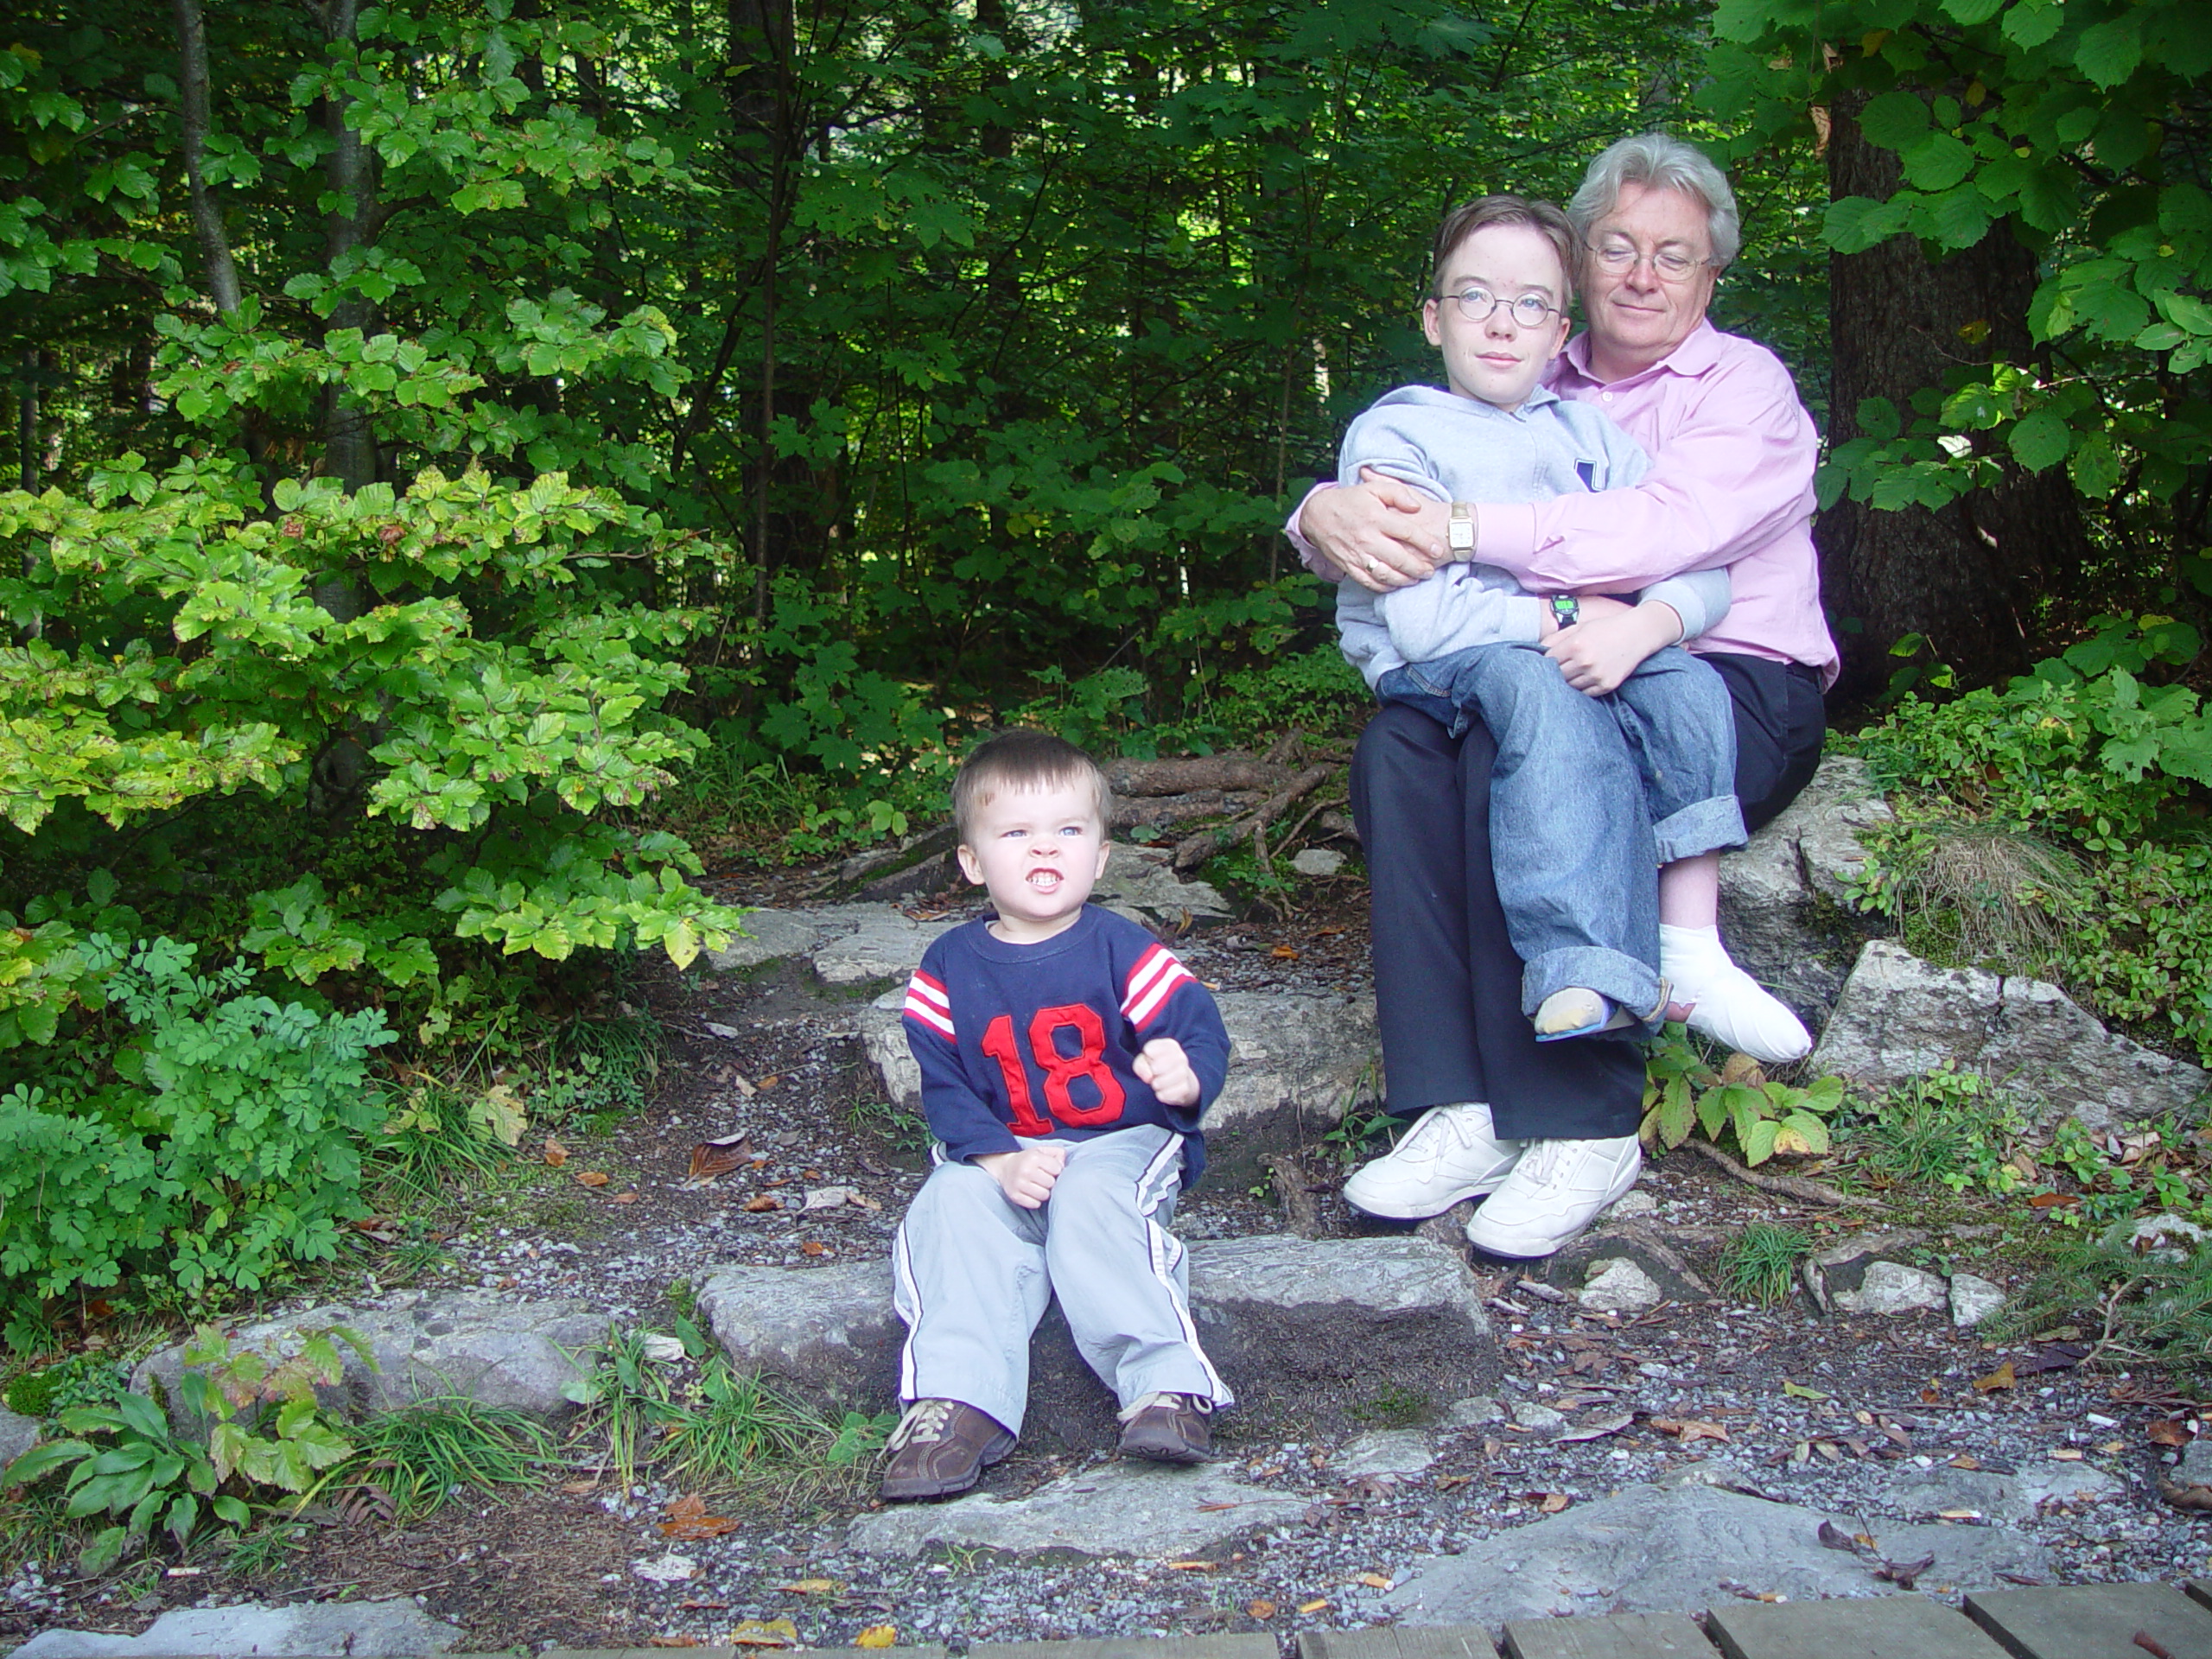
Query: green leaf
[[2040, 440], [1894, 120], [2109, 52]]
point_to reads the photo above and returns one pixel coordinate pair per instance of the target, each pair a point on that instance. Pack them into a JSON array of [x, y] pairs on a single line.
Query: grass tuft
[[1760, 1264], [425, 1453]]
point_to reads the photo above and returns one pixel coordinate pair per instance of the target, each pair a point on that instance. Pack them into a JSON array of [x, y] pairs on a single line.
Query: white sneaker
[[1452, 1153], [1732, 1008], [1552, 1193]]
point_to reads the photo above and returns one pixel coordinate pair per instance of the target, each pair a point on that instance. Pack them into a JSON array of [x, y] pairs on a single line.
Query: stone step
[[1873, 1627], [2092, 1621], [1294, 1325]]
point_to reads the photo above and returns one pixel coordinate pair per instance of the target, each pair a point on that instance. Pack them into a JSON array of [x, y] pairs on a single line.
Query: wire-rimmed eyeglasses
[[1475, 305]]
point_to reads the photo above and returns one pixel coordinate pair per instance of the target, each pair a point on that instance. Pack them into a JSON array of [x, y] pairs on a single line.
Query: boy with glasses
[[1573, 867]]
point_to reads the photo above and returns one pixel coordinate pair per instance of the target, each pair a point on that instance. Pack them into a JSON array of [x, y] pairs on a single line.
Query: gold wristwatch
[[1460, 536]]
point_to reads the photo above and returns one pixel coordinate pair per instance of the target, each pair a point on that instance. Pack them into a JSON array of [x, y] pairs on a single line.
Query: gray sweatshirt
[[1462, 449]]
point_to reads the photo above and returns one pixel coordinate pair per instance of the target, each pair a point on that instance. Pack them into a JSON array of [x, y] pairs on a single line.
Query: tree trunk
[[1964, 577]]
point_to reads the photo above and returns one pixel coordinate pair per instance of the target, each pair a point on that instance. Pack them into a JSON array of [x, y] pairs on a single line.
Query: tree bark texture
[[193, 101], [1965, 577]]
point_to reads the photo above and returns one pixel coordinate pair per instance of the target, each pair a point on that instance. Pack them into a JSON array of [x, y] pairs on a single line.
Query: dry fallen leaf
[[877, 1635], [1205, 1508], [623, 1198], [1375, 1581], [1799, 1391], [578, 1487], [1965, 1461], [2166, 1432], [810, 1249], [710, 1159], [1192, 1567], [2002, 1377], [1929, 1397], [811, 1586], [1596, 1427], [1319, 1603], [674, 1642], [590, 1178], [1284, 953], [2067, 1453], [688, 1519], [556, 1153], [2185, 1498], [764, 1202], [1261, 1609], [1958, 1514], [1689, 1429], [763, 1633], [1554, 1502]]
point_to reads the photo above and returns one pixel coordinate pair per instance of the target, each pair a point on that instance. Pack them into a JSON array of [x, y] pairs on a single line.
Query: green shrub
[[2087, 751], [225, 1142]]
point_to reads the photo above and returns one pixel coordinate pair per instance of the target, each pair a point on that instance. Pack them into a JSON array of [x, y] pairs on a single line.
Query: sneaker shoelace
[[1173, 1401], [926, 1421], [1433, 1136]]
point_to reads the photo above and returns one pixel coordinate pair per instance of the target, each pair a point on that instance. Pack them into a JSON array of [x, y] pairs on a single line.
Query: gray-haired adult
[[1548, 1130]]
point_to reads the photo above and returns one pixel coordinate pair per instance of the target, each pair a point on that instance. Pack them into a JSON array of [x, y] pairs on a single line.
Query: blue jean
[[1589, 796]]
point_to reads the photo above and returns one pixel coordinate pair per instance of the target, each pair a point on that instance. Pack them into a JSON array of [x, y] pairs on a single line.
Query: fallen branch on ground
[[1803, 1188], [1194, 850]]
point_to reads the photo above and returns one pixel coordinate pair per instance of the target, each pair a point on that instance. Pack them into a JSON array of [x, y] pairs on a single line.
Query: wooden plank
[[1873, 1627], [2199, 1591], [1132, 1647], [1623, 1635], [1398, 1642], [2092, 1621]]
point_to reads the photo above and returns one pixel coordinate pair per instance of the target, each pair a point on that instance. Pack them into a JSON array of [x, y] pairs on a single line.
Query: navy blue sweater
[[1019, 1042]]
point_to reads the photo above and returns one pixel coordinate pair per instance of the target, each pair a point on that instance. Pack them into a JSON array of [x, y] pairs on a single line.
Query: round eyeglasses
[[1475, 305], [1618, 256]]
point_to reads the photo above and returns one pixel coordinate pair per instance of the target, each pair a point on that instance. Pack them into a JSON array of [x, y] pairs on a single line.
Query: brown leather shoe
[[940, 1447], [1168, 1428]]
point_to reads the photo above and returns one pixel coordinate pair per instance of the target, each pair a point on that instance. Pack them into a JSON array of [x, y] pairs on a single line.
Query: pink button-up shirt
[[1730, 484]]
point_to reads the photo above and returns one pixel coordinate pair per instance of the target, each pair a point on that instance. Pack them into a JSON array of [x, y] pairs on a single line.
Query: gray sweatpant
[[972, 1271]]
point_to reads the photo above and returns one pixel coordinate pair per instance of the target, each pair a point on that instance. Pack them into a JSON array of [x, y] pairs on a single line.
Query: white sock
[[1731, 1007]]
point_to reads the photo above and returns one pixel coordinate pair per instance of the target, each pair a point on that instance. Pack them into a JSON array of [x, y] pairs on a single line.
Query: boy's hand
[[1026, 1177], [1610, 640], [1162, 1064]]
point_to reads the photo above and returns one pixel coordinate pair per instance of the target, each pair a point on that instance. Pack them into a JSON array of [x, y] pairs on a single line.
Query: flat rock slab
[[1141, 883], [1624, 1635], [1386, 1452], [1899, 1017], [1649, 1550], [1391, 1642], [2000, 1497], [2092, 1621], [1880, 1627], [496, 1350], [769, 935], [1117, 1509], [365, 1629], [1297, 1321]]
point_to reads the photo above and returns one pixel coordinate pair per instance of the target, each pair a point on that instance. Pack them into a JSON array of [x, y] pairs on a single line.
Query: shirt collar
[[1693, 357]]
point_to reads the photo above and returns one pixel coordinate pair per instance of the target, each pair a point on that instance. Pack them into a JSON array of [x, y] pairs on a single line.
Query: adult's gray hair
[[1663, 163]]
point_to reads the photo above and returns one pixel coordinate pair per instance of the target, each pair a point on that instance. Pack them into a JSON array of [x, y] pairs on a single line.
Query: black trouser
[[1447, 983]]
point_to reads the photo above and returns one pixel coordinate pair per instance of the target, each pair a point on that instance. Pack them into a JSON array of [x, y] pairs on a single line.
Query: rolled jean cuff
[[1704, 826], [1618, 977]]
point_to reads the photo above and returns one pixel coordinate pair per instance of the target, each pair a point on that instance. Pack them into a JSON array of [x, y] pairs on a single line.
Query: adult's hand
[[1381, 533]]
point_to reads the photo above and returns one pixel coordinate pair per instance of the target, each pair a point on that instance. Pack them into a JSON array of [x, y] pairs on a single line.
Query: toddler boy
[[1066, 1058], [1572, 862]]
